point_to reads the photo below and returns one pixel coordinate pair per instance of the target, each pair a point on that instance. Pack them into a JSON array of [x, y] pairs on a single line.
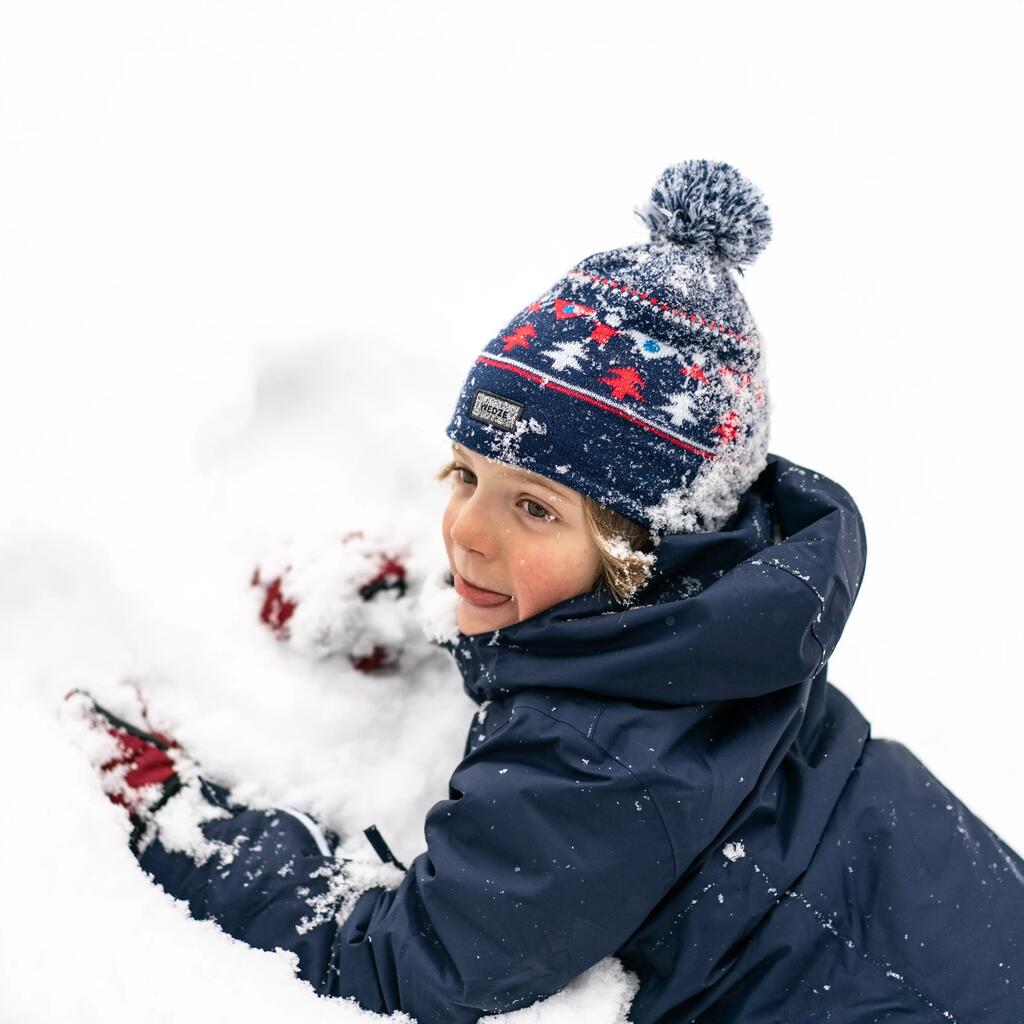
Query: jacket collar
[[747, 610]]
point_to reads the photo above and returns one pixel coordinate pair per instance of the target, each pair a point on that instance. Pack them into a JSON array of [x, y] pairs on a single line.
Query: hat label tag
[[495, 410]]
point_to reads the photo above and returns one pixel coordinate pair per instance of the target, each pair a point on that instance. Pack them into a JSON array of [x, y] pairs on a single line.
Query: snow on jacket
[[677, 784]]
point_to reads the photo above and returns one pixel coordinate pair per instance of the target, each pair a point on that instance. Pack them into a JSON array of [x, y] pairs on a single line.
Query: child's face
[[518, 534]]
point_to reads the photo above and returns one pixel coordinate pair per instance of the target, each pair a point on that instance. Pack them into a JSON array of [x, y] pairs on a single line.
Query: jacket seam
[[829, 926], [625, 768], [671, 926], [821, 604], [839, 799]]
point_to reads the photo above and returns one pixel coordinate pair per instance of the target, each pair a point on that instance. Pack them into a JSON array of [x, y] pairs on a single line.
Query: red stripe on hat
[[548, 383]]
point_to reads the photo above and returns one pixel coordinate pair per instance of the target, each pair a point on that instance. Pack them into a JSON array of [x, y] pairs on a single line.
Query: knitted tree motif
[[728, 428], [517, 339], [695, 372], [680, 408], [566, 354], [624, 382]]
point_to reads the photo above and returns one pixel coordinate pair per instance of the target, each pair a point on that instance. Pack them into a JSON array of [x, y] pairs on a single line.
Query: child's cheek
[[541, 582]]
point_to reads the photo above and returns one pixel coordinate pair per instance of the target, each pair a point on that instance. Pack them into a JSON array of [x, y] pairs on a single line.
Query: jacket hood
[[752, 608]]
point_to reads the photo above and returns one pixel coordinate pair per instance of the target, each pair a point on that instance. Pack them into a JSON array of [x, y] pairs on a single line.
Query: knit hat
[[638, 378]]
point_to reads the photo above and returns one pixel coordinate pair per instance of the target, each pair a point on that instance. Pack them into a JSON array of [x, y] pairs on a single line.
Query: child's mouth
[[477, 596]]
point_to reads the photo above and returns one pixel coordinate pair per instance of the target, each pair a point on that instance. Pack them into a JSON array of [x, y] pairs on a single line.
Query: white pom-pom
[[708, 205]]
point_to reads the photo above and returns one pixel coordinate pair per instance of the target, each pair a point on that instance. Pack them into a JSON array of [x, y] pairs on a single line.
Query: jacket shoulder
[[571, 708]]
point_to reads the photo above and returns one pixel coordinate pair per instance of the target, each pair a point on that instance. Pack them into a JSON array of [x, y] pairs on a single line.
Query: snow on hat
[[638, 378]]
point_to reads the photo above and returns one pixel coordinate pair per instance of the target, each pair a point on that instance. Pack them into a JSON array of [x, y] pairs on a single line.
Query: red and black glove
[[141, 773], [345, 596]]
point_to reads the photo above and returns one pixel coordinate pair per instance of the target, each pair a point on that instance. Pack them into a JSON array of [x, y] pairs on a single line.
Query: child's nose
[[473, 528]]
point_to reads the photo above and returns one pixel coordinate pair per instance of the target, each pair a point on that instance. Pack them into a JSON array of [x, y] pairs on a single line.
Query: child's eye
[[534, 509], [544, 513]]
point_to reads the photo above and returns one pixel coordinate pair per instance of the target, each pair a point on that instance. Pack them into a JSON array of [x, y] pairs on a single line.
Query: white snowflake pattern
[[680, 408], [566, 354]]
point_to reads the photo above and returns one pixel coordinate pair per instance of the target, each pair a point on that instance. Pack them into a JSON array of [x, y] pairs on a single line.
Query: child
[[660, 770]]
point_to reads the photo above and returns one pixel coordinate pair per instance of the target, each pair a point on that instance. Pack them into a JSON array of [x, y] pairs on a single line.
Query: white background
[[248, 252]]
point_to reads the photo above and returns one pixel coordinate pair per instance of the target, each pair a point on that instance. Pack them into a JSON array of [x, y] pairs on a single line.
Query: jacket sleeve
[[546, 857]]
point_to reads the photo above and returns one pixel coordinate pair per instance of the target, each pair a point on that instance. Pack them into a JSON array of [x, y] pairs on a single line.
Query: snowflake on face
[[566, 354], [680, 408]]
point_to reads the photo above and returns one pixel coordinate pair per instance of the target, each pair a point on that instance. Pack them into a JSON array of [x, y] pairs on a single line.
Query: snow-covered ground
[[247, 254]]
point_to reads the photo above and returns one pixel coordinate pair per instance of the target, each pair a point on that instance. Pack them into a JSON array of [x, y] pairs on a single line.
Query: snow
[[243, 276], [706, 501], [285, 722], [322, 577], [347, 881], [642, 561], [601, 995]]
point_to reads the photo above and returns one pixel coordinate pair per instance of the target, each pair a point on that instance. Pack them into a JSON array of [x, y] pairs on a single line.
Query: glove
[[271, 877], [139, 770], [339, 597]]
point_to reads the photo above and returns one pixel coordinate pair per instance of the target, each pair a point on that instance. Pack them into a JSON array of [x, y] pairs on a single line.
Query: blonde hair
[[624, 546]]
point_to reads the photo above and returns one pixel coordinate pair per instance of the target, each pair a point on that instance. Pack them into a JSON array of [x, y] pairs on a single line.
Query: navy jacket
[[677, 784]]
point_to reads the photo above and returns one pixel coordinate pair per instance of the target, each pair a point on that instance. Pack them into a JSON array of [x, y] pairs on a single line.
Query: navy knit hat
[[638, 378]]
